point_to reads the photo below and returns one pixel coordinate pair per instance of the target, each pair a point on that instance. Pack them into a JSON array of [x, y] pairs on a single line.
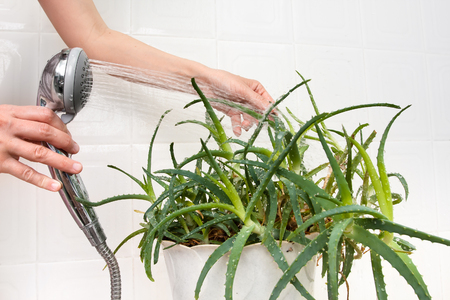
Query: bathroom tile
[[116, 15], [173, 18], [17, 221], [441, 164], [399, 78], [144, 288], [59, 238], [414, 161], [254, 21], [392, 25], [399, 288], [335, 23], [18, 282], [439, 76], [436, 24], [443, 261], [337, 81], [81, 280], [19, 16], [18, 74]]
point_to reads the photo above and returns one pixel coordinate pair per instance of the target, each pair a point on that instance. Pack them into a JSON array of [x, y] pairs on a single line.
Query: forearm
[[113, 46], [80, 25]]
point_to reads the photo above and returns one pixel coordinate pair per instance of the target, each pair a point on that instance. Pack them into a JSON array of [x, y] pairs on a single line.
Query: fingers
[[43, 132], [241, 121], [28, 174], [38, 153], [40, 114], [41, 124], [236, 124]]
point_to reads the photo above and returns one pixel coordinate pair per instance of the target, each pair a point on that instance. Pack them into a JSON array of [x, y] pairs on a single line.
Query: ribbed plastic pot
[[256, 275]]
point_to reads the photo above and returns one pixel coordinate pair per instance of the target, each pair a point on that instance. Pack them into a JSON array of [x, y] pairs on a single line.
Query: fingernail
[[77, 167], [237, 131], [76, 148], [55, 186]]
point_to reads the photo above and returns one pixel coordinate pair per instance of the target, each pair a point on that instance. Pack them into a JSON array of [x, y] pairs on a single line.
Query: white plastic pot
[[256, 274]]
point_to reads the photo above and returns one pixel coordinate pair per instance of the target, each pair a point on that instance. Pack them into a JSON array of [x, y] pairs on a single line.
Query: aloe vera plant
[[238, 194]]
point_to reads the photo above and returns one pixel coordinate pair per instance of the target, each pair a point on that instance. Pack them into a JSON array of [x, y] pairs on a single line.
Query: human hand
[[248, 92], [22, 128]]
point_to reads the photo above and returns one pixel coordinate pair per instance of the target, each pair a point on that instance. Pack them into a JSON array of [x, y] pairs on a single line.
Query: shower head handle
[[65, 86]]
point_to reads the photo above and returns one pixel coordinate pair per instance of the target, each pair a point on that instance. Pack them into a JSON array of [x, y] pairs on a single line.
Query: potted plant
[[239, 194]]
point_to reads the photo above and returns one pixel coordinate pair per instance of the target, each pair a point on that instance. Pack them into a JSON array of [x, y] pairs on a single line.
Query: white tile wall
[[354, 52], [333, 23], [397, 28], [174, 18], [255, 21]]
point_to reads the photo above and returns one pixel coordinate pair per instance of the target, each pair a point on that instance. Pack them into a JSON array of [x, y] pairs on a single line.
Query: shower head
[[66, 83]]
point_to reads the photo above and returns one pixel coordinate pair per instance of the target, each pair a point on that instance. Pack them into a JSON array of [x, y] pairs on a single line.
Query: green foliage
[[241, 193]]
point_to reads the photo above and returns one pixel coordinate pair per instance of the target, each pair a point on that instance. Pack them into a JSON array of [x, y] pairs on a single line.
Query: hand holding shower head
[[65, 86]]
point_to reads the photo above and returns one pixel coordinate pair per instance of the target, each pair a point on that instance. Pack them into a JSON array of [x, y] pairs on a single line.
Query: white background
[[354, 52]]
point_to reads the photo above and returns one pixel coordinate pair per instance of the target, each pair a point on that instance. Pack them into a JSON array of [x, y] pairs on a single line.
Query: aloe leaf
[[393, 227], [385, 205], [214, 153], [405, 245], [149, 188], [359, 209], [155, 178], [242, 108], [380, 285], [348, 261], [223, 249], [113, 199], [316, 170], [272, 212], [325, 200], [140, 183], [402, 181], [380, 162], [200, 207], [346, 194], [365, 145], [230, 189], [285, 217], [294, 155], [207, 183], [129, 237], [366, 238], [221, 135], [293, 198], [279, 258], [165, 194], [273, 167], [216, 220], [146, 254], [334, 256], [302, 259], [197, 122], [236, 250], [268, 112]]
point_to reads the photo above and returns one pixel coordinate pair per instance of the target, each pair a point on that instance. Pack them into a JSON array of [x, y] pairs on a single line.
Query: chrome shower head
[[66, 83]]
